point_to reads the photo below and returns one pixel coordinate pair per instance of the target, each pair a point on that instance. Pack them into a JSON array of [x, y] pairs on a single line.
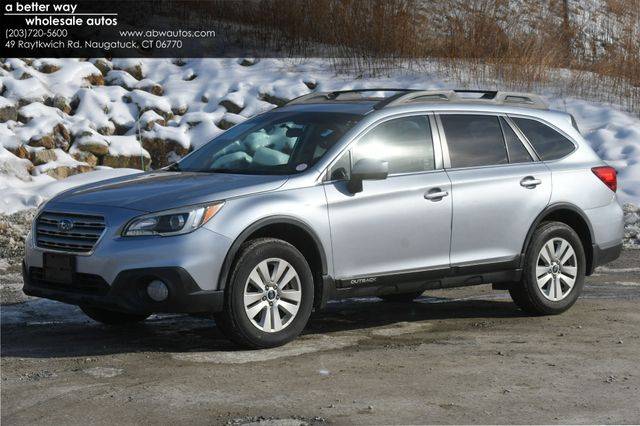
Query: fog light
[[157, 290]]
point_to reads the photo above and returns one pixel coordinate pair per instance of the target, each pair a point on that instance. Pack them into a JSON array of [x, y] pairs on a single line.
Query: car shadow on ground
[[184, 334]]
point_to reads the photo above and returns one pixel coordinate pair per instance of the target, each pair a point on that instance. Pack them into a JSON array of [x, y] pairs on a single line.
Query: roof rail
[[486, 96], [405, 96], [343, 95], [530, 99], [417, 96]]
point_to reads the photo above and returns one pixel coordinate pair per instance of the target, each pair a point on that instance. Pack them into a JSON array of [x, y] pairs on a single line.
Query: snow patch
[[125, 145], [103, 372], [301, 346], [18, 194], [615, 136], [62, 159], [146, 101]]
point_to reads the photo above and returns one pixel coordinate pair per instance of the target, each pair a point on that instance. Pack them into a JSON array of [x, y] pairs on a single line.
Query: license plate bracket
[[59, 268]]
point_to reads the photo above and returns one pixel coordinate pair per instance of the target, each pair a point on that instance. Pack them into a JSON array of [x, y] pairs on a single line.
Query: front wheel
[[112, 317], [269, 297], [554, 270]]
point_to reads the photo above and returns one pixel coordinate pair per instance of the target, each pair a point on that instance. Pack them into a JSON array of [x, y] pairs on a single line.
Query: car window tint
[[516, 150], [404, 142], [549, 144], [474, 140]]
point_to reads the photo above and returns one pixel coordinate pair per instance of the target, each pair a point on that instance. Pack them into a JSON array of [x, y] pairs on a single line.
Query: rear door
[[399, 224], [498, 188]]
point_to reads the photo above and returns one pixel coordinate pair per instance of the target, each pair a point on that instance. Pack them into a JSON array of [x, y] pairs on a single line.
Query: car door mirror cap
[[367, 169]]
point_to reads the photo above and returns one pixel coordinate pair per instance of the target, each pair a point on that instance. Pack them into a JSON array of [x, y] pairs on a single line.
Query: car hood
[[156, 191]]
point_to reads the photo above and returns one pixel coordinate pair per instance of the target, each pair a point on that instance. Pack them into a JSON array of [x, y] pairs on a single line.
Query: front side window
[[273, 143], [549, 144], [474, 140], [403, 142]]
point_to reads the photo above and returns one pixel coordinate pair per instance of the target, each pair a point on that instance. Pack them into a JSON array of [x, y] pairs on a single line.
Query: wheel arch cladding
[[573, 217], [289, 229]]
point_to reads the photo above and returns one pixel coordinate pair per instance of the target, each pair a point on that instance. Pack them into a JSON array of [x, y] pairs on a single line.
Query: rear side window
[[549, 144], [474, 140], [517, 152], [404, 142]]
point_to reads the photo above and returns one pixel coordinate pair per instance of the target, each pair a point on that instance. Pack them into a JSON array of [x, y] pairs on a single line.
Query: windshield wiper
[[221, 171], [175, 167], [239, 171]]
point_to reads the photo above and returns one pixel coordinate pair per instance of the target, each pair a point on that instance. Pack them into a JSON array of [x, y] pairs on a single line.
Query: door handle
[[435, 194], [530, 182]]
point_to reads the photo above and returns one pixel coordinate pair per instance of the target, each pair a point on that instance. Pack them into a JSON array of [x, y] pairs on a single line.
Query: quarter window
[[474, 140], [404, 142], [341, 169], [549, 144], [517, 152]]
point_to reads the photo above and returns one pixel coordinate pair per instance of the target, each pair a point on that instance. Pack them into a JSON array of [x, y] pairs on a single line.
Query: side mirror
[[367, 169]]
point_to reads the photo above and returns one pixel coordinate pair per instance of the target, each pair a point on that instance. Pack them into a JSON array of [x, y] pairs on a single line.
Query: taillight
[[608, 176]]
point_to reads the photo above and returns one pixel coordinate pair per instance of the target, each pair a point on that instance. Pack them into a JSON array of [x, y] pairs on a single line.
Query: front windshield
[[273, 143]]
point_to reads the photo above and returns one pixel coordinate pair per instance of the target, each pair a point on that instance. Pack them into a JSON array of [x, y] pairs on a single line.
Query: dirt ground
[[456, 356]]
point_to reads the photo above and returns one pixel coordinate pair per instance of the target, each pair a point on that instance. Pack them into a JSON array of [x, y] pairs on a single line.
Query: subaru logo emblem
[[65, 225]]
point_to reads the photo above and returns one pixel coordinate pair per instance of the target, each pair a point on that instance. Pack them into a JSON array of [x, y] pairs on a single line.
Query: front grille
[[82, 283], [80, 237]]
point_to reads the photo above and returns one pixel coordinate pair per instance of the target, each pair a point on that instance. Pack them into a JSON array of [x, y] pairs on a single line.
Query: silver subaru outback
[[376, 192]]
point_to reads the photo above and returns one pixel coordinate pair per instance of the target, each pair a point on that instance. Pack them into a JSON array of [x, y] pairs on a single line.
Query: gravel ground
[[13, 231], [459, 356], [631, 226]]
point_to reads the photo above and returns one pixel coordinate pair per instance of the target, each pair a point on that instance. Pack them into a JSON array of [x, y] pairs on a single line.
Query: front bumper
[[201, 253], [128, 291], [118, 268]]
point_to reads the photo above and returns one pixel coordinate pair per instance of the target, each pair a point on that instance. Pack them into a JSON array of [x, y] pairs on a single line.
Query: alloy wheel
[[272, 295], [556, 269]]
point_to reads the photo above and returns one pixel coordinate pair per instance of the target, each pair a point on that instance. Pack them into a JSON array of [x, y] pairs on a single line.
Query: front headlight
[[172, 222]]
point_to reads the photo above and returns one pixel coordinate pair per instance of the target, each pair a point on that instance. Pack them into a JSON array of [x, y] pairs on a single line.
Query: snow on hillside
[[21, 192], [615, 136], [65, 117]]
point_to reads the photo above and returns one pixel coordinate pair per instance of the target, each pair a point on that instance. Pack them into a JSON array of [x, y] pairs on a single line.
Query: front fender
[[303, 207]]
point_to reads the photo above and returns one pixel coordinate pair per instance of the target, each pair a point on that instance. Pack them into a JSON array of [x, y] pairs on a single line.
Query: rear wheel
[[112, 317], [554, 270], [401, 297], [269, 297]]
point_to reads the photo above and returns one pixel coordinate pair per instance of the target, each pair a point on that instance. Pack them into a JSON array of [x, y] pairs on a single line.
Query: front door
[[395, 225]]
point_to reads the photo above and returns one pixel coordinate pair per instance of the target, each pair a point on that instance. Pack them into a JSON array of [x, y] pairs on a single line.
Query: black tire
[[526, 294], [234, 322], [112, 317], [401, 297]]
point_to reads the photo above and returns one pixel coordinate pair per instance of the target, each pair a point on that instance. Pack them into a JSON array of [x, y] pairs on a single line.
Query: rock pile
[[69, 116]]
